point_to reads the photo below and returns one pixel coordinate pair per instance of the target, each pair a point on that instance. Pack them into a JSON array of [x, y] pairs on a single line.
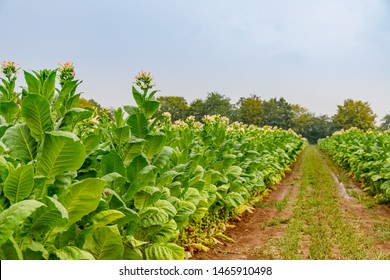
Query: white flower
[[167, 115]]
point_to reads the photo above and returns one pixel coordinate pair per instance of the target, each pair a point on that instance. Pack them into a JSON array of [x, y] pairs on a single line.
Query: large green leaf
[[158, 213], [144, 177], [72, 117], [135, 166], [150, 107], [33, 83], [106, 217], [131, 109], [166, 233], [14, 216], [201, 210], [146, 196], [233, 199], [3, 129], [164, 251], [138, 124], [99, 220], [151, 216], [48, 86], [132, 242], [192, 195], [112, 162], [73, 101], [132, 149], [9, 110], [33, 250], [59, 105], [167, 207], [386, 188], [154, 144], [162, 233], [54, 215], [139, 99], [184, 211], [233, 172], [82, 198], [91, 142], [166, 178], [10, 250], [71, 253], [36, 112], [4, 93], [64, 238], [62, 151], [121, 135], [162, 158], [130, 220], [21, 144], [197, 175], [105, 243], [19, 183]]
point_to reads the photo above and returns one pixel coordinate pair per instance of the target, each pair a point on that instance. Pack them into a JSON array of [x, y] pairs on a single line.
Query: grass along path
[[309, 216], [318, 216]]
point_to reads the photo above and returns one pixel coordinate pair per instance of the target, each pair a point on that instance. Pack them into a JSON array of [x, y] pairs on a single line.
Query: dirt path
[[315, 213]]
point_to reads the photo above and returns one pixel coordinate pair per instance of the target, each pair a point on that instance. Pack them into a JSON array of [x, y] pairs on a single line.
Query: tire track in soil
[[258, 235], [373, 222]]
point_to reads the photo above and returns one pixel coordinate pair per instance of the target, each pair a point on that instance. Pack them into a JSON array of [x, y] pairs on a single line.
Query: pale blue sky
[[313, 53]]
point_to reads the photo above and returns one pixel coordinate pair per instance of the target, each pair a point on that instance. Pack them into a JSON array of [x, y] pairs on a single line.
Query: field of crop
[[366, 155], [92, 184]]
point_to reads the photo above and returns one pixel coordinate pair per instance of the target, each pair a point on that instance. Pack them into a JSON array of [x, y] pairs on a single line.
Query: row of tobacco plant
[[366, 155], [77, 183]]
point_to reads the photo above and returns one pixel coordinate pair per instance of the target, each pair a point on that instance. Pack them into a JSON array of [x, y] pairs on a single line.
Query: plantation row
[[366, 155], [84, 184]]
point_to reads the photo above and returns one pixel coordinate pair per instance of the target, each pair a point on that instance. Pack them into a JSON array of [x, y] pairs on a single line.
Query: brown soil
[[257, 235]]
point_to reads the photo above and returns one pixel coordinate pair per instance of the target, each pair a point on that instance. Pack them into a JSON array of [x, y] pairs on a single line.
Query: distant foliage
[[278, 112], [177, 106], [354, 113], [385, 124], [252, 110]]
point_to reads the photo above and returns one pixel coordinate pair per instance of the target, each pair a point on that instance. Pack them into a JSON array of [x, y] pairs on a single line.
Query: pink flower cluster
[[144, 80], [67, 72], [9, 68], [67, 67]]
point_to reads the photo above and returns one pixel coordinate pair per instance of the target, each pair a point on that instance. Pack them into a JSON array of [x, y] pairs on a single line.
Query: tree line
[[276, 112], [272, 112]]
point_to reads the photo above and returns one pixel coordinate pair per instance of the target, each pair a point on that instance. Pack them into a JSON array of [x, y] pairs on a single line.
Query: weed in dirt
[[268, 252], [279, 205], [275, 222], [383, 232]]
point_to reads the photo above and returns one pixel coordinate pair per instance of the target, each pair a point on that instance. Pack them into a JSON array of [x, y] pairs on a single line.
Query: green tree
[[278, 112], [250, 110], [217, 103], [313, 127], [90, 103], [385, 123], [197, 109], [354, 114], [177, 106], [214, 104]]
